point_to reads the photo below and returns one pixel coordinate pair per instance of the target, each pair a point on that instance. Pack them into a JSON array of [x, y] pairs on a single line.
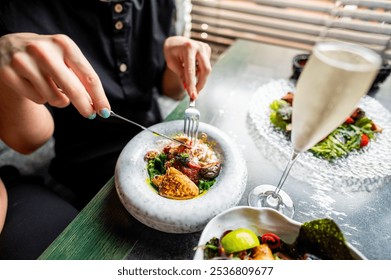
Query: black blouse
[[123, 41]]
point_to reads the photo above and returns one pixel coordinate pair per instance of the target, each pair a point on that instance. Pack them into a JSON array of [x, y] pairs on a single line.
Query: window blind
[[294, 23]]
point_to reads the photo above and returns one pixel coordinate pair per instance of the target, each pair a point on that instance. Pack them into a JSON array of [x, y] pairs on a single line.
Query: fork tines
[[191, 122]]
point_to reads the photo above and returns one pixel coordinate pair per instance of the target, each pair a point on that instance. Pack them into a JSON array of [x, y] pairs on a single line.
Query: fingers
[[203, 66], [197, 67], [72, 87], [190, 60], [20, 85], [61, 100], [52, 69], [71, 72], [86, 74], [189, 67], [26, 73]]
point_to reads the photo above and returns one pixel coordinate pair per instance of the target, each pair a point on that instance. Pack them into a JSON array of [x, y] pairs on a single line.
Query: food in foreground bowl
[[180, 172], [318, 239], [354, 134]]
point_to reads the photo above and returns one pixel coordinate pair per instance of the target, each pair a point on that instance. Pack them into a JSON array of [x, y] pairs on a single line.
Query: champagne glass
[[332, 83]]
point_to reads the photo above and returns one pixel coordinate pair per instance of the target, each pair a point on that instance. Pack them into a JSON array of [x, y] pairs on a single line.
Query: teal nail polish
[[105, 113], [92, 116]]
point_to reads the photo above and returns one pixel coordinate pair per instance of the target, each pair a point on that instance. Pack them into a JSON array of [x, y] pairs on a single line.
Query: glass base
[[262, 196]]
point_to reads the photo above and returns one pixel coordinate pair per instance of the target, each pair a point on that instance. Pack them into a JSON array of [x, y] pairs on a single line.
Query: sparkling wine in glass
[[331, 85]]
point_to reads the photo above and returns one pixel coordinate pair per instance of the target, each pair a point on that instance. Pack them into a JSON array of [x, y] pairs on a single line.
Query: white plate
[[363, 170], [178, 216], [260, 220]]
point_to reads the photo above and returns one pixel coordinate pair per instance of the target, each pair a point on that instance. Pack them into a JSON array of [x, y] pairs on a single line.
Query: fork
[[192, 121]]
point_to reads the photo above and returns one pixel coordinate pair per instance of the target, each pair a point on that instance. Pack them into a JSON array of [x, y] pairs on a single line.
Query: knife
[[148, 129]]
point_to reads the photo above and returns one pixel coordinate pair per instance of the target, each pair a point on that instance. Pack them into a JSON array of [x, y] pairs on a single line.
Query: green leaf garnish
[[155, 166], [205, 185]]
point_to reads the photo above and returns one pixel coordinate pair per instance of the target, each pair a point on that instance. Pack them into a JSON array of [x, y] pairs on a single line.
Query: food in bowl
[[353, 135], [317, 240], [146, 205], [322, 238], [183, 172]]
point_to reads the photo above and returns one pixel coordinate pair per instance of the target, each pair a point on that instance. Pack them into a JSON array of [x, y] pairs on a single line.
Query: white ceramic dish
[[178, 216], [260, 220]]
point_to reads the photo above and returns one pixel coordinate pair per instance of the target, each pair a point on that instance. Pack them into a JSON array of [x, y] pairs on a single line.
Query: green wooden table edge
[[179, 110]]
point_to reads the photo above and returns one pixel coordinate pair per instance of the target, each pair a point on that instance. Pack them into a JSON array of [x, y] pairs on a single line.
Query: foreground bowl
[[178, 216], [259, 220]]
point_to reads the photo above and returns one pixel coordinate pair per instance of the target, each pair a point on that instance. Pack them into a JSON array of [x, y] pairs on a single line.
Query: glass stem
[[285, 174]]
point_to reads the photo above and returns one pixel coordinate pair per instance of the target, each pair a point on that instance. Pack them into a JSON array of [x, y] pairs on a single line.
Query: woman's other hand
[[190, 61]]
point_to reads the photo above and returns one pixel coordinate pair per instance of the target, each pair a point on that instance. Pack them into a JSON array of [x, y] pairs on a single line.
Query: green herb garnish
[[281, 114], [205, 185], [343, 140], [155, 166]]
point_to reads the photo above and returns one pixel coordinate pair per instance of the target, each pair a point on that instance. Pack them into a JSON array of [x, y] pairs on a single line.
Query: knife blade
[[148, 129]]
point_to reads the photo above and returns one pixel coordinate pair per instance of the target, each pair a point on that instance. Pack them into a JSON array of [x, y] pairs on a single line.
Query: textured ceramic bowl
[[178, 216], [260, 220]]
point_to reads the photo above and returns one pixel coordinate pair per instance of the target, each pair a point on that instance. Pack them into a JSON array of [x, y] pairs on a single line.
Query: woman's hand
[[50, 69], [190, 61]]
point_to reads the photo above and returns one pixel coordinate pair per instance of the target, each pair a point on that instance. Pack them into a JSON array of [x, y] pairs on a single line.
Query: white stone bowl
[[178, 216]]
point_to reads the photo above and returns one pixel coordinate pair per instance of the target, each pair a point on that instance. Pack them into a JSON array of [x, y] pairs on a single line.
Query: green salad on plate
[[355, 133]]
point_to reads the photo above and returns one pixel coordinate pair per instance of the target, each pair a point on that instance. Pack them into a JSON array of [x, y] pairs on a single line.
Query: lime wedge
[[239, 240]]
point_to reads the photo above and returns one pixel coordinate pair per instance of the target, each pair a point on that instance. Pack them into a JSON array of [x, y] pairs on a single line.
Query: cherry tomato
[[271, 239], [349, 120], [364, 140]]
